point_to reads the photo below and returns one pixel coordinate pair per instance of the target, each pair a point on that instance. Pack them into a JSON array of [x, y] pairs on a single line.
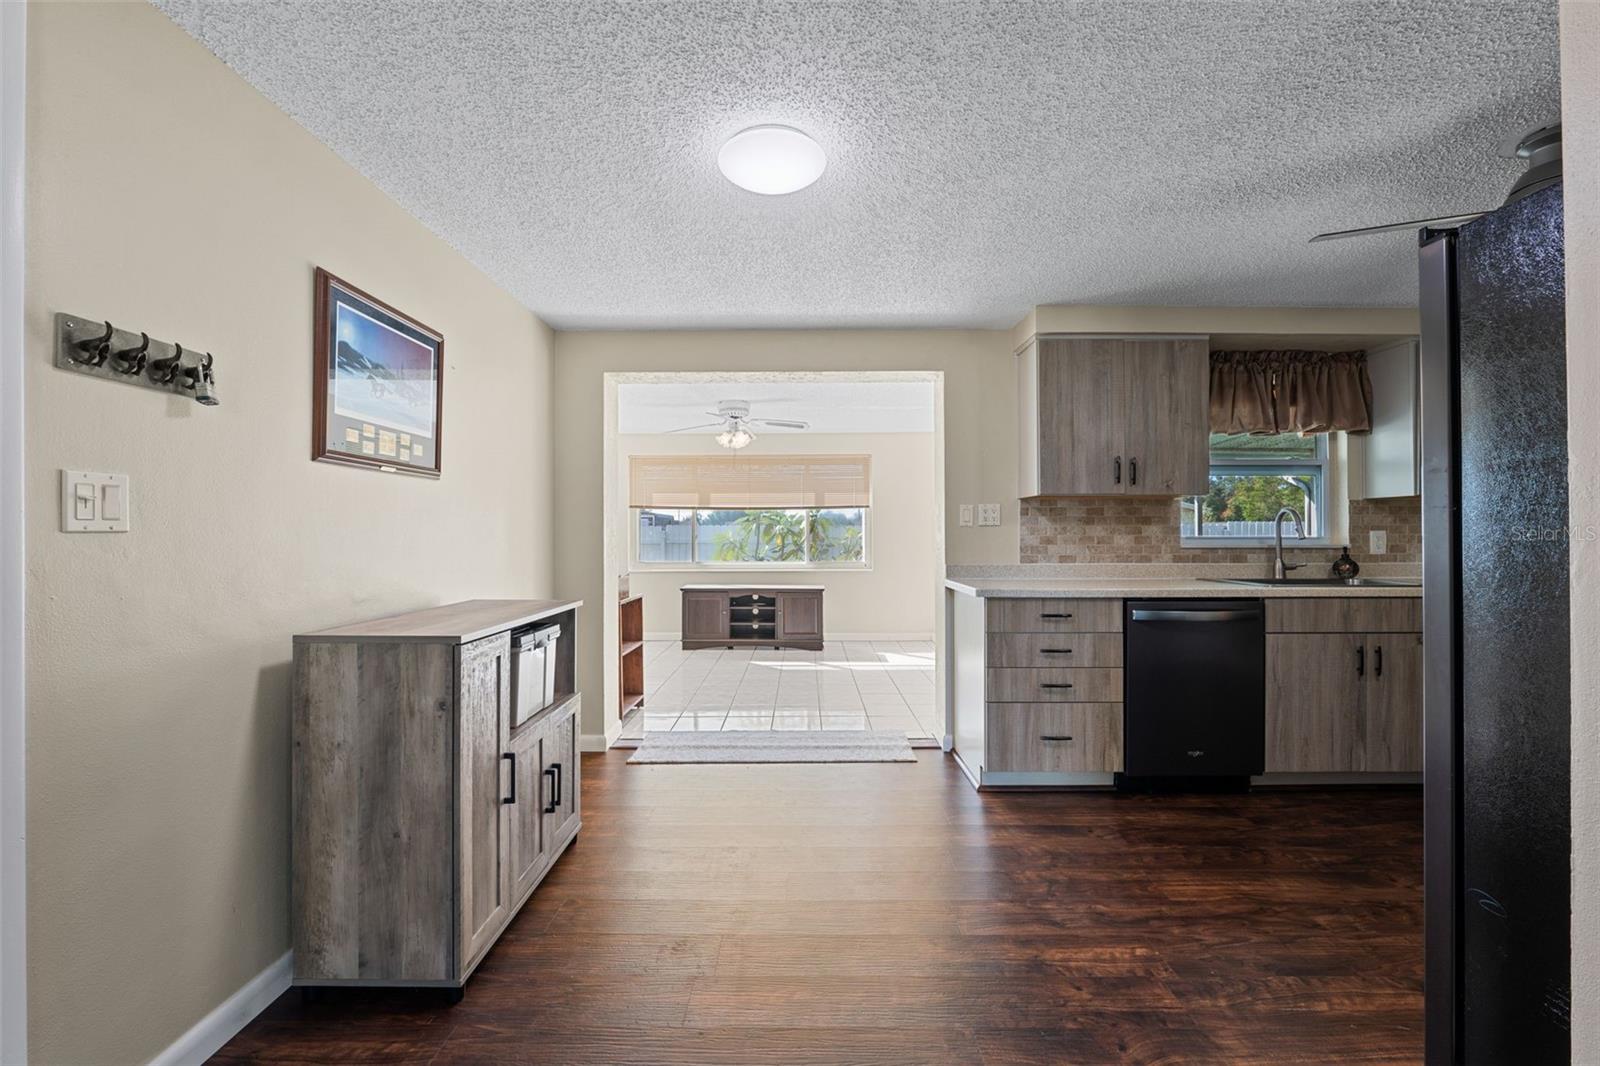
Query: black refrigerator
[[1497, 681]]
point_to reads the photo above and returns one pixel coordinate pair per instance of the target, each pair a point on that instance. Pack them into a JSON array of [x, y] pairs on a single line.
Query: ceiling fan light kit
[[735, 438], [734, 424]]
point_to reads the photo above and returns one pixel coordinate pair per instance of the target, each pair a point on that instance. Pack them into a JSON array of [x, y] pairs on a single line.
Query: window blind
[[749, 482]]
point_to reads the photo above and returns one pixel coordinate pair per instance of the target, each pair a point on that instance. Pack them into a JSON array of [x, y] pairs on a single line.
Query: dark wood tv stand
[[752, 616]]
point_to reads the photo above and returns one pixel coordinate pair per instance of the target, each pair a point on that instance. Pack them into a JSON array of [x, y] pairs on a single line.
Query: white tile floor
[[880, 685]]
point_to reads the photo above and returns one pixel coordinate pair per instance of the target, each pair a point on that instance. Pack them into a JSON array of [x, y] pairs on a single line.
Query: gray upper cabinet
[[1388, 461], [1168, 434], [1113, 416]]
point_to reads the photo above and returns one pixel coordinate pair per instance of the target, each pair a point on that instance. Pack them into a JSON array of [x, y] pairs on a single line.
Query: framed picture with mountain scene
[[378, 392]]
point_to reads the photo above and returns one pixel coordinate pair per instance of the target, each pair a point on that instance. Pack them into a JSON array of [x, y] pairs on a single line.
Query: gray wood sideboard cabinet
[[423, 817], [746, 616]]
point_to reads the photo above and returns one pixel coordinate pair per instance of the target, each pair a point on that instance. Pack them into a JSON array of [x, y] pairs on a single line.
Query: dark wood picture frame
[[328, 290]]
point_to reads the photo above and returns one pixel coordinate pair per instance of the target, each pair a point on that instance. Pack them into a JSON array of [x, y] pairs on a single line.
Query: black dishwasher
[[1195, 692]]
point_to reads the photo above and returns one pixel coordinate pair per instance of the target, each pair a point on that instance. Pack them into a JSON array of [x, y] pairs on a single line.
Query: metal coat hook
[[131, 360], [165, 371], [96, 347]]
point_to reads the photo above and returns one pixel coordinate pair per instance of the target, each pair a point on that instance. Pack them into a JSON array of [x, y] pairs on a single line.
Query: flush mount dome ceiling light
[[771, 160]]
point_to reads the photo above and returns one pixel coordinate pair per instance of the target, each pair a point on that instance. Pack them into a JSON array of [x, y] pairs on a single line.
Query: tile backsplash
[[1110, 530]]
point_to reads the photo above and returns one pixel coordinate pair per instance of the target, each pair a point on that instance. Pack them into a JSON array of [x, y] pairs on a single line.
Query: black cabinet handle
[[1116, 470], [512, 759], [1133, 471], [1048, 737], [1058, 615], [1055, 651], [1377, 661], [1361, 660], [550, 808], [1055, 684], [558, 781]]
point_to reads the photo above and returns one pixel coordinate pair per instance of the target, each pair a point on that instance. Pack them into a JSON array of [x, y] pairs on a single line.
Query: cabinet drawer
[[1050, 650], [1054, 738], [1345, 615], [1064, 685], [1054, 616]]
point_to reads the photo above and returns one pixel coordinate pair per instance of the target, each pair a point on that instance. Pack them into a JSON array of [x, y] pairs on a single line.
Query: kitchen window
[[1252, 477], [781, 511]]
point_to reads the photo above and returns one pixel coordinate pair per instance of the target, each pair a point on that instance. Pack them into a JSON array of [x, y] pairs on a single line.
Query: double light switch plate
[[94, 503]]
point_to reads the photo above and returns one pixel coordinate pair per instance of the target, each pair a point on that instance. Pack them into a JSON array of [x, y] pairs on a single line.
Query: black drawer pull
[[558, 781], [1116, 470], [1048, 737], [1055, 651], [1133, 471], [1377, 660], [512, 759], [1049, 614], [1055, 684], [550, 808]]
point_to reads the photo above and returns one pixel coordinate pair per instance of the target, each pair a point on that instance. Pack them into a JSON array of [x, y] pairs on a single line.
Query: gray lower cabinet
[[423, 815], [1344, 686], [1037, 688]]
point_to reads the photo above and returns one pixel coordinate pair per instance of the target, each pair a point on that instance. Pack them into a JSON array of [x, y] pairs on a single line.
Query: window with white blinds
[[750, 482], [750, 510]]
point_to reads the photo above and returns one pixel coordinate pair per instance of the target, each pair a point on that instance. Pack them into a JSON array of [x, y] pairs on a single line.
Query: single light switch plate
[[94, 503], [1378, 541], [988, 514], [966, 514]]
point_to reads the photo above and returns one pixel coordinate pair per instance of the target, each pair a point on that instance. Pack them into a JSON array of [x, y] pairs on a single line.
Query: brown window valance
[[743, 482], [1290, 392]]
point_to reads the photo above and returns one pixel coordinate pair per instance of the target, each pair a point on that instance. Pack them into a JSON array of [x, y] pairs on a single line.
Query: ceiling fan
[[734, 422], [1540, 148]]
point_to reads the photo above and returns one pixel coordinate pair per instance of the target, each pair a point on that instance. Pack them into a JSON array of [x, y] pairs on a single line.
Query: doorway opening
[[776, 545]]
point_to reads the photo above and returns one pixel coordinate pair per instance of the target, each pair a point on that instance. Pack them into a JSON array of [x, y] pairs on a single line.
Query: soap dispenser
[[1344, 566]]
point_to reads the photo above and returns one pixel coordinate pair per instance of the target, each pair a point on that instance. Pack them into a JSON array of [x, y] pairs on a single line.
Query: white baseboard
[[592, 742], [231, 1015], [829, 637]]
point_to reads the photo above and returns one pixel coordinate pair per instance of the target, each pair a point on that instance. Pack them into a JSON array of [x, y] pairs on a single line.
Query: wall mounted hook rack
[[101, 350]]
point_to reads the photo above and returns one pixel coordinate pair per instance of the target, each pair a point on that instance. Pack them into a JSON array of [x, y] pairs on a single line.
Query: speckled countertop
[[1134, 581]]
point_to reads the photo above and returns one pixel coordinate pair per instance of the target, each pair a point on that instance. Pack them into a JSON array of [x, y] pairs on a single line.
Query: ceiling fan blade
[[784, 423], [691, 429], [1442, 222]]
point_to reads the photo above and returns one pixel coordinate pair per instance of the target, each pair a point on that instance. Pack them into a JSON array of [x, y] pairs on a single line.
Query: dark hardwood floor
[[886, 913]]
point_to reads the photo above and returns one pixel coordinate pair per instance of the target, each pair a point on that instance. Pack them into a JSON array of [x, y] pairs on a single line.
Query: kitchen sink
[[1319, 582]]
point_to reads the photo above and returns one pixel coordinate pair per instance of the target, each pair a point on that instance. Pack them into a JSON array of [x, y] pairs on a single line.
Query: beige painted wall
[[167, 195], [1580, 108], [979, 445], [894, 596]]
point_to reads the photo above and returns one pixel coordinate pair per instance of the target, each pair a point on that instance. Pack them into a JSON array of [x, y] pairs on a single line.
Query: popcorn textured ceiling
[[982, 157]]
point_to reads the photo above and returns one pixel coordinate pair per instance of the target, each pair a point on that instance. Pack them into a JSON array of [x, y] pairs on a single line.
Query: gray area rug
[[774, 745]]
